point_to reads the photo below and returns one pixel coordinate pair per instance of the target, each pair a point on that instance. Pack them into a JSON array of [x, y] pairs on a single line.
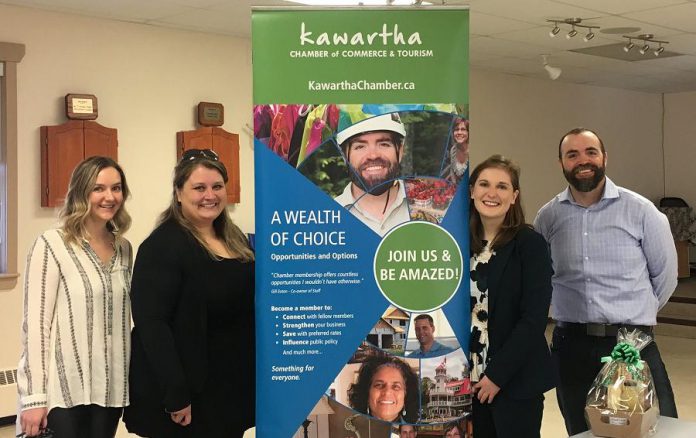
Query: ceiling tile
[[484, 24], [684, 43], [495, 46], [686, 63], [621, 6], [682, 17], [533, 11], [610, 22], [589, 61]]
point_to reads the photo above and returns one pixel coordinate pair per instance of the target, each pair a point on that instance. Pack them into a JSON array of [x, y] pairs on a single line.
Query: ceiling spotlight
[[572, 33], [646, 39], [574, 23], [554, 31], [553, 72]]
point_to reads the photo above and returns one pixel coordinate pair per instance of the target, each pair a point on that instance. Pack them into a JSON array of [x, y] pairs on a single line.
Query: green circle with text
[[418, 266]]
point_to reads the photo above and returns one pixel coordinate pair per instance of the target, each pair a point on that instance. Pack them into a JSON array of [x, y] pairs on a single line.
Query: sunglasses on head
[[193, 154]]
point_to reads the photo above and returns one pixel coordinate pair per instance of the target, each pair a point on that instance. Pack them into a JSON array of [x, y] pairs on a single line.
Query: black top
[[519, 295], [193, 340]]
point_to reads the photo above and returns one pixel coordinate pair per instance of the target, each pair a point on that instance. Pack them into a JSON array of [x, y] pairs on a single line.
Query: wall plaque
[[81, 106], [211, 114]]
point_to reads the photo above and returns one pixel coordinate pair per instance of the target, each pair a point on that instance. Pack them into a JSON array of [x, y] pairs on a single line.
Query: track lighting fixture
[[553, 72], [573, 23], [646, 38]]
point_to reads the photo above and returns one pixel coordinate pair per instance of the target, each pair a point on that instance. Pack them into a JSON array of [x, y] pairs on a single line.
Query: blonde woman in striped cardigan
[[72, 374]]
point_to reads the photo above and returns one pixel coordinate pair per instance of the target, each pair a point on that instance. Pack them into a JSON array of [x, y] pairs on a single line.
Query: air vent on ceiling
[[8, 377]]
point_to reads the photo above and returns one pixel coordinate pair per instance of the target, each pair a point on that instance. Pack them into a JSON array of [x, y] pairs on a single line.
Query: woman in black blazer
[[192, 363], [510, 297]]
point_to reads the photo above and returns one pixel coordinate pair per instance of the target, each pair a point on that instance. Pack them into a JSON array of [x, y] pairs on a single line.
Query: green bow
[[628, 354]]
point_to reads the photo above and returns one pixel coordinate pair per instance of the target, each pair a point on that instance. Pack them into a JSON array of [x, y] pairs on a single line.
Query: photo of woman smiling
[[387, 389]]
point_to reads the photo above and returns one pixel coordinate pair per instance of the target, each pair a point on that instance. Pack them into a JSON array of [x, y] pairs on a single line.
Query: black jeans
[[507, 417], [577, 358], [84, 421]]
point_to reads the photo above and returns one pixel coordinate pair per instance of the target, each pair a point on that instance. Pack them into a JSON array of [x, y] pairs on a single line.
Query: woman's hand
[[182, 417], [486, 390], [33, 420]]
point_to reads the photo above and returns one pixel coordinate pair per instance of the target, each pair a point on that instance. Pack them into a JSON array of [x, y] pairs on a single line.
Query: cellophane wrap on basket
[[624, 386]]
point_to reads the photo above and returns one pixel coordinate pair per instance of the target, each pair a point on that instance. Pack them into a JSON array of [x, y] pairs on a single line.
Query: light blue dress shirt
[[437, 349], [614, 261]]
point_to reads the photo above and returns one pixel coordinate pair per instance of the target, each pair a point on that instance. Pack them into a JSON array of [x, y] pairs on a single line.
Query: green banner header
[[361, 56]]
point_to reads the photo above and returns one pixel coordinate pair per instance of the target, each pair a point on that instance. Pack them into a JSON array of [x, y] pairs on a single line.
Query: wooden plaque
[[81, 106], [211, 114]]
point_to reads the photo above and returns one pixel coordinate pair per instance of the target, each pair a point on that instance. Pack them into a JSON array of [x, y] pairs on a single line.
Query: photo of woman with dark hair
[[387, 389]]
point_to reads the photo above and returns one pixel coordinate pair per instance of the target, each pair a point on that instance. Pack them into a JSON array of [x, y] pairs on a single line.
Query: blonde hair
[[232, 237], [77, 207]]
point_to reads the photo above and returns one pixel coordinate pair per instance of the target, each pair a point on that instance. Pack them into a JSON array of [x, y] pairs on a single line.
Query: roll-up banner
[[362, 274]]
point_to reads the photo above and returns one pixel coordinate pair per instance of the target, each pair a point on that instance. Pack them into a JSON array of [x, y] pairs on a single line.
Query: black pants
[[505, 417], [84, 421], [577, 358]]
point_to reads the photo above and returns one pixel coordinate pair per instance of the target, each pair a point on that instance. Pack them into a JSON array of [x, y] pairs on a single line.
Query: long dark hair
[[234, 239], [359, 392], [514, 218]]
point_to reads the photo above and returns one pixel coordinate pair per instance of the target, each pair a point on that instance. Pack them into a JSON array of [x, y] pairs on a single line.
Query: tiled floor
[[679, 354]]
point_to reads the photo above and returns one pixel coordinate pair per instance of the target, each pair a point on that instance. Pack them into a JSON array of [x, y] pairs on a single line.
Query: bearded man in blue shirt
[[615, 265]]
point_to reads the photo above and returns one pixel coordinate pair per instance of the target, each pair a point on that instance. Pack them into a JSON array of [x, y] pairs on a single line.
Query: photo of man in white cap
[[373, 148]]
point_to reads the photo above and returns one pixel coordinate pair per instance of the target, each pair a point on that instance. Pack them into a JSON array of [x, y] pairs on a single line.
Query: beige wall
[[680, 146], [149, 79], [524, 119]]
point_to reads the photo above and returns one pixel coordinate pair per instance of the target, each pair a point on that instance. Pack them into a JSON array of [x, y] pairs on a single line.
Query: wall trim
[[10, 54]]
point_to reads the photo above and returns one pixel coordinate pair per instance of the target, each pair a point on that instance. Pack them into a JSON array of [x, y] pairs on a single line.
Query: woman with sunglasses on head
[[72, 375], [510, 296], [193, 309]]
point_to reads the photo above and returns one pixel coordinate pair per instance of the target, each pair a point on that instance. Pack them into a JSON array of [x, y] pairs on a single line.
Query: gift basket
[[622, 402]]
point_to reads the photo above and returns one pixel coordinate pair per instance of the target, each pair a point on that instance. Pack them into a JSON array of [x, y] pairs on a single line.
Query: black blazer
[[519, 285], [169, 366], [168, 342]]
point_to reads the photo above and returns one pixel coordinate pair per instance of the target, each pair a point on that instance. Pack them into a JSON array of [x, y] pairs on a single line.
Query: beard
[[584, 184], [376, 185]]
